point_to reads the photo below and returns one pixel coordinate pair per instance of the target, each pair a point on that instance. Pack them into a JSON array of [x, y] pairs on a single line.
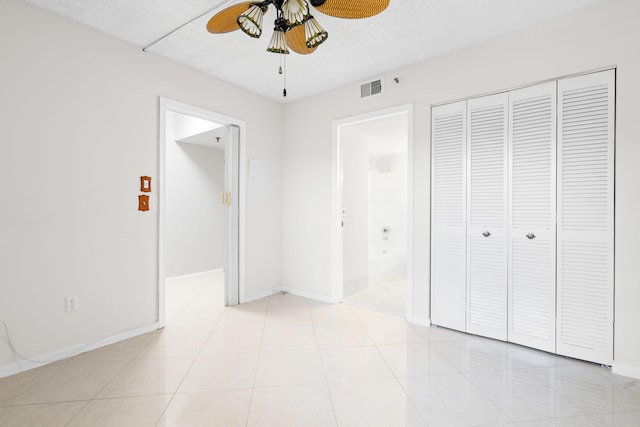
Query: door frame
[[168, 105], [336, 186]]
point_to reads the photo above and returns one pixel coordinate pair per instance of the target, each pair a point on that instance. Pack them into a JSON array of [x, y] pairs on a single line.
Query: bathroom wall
[[388, 200]]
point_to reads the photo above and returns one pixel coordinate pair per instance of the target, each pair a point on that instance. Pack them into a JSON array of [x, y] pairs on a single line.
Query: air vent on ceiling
[[371, 88]]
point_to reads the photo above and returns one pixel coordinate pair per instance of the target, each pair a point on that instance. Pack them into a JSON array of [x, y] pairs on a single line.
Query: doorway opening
[[200, 208], [373, 200]]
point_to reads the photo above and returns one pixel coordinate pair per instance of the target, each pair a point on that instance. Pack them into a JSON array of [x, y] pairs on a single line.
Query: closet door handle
[[531, 236], [486, 234]]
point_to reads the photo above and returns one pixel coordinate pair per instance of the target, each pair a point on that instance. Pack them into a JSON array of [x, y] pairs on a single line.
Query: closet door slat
[[448, 216], [586, 109], [487, 216], [532, 217]]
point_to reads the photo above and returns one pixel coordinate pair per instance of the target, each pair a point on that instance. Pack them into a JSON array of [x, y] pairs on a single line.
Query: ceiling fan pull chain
[[284, 91]]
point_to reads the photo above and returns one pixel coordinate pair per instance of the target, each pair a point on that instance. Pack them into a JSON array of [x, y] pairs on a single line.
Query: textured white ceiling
[[409, 31]]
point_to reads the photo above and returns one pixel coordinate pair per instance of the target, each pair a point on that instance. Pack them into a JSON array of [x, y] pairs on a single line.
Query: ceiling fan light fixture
[[315, 34], [250, 21], [278, 44], [295, 11]]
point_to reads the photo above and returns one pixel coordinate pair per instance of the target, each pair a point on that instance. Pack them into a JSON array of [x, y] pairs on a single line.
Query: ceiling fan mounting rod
[[278, 3], [280, 22], [265, 4]]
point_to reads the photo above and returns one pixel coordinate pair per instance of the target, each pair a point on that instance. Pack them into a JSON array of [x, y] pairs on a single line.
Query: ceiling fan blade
[[351, 9], [296, 40], [225, 20]]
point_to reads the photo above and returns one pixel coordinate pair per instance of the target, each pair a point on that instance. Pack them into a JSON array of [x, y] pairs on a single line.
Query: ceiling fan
[[294, 27]]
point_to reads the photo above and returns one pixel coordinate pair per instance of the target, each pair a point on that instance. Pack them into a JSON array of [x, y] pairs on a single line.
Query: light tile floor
[[289, 361], [387, 294]]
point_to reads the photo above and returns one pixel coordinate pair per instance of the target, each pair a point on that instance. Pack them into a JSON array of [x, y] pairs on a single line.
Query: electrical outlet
[[72, 304]]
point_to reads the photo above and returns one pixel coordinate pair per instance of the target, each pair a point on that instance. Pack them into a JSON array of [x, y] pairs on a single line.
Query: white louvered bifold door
[[585, 217], [532, 217], [448, 217], [487, 216]]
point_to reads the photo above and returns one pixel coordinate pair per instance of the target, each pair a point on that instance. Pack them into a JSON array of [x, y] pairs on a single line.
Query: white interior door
[[232, 215], [487, 216], [586, 108], [532, 217], [448, 217]]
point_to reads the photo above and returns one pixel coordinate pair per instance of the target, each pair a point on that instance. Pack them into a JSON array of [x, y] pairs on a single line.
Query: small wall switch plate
[[72, 304], [143, 202], [145, 184]]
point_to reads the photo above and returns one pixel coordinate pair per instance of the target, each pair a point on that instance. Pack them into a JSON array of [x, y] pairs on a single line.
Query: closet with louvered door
[[523, 202], [448, 215], [532, 217], [487, 216], [586, 109]]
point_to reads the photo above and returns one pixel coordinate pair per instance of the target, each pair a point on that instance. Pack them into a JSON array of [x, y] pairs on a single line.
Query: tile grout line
[[185, 306], [395, 377], [213, 327], [255, 373], [324, 371], [93, 398], [78, 412], [326, 384]]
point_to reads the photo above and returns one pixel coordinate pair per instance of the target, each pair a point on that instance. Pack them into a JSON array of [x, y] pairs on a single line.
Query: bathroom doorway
[[374, 213]]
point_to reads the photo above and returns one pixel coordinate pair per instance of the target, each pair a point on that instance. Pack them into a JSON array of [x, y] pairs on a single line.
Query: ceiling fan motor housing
[[280, 24]]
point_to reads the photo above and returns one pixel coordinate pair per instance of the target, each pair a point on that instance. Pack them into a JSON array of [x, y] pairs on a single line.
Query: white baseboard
[[297, 292], [306, 294], [194, 275], [25, 365], [626, 370], [420, 321], [259, 295]]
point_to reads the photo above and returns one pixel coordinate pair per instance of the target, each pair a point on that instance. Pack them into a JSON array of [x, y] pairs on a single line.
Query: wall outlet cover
[[72, 303]]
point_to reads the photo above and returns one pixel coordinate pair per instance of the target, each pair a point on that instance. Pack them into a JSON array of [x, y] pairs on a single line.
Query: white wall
[[195, 216], [388, 200], [601, 37], [355, 202], [79, 115]]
